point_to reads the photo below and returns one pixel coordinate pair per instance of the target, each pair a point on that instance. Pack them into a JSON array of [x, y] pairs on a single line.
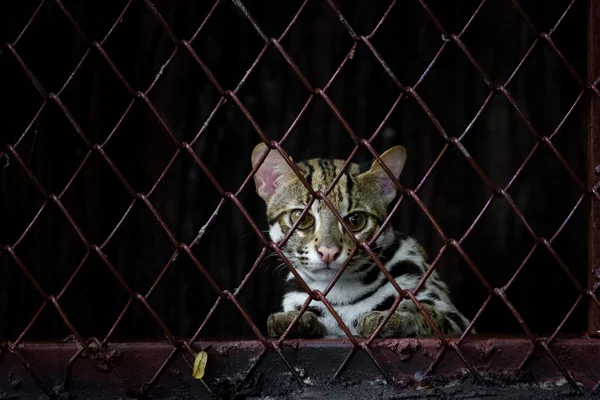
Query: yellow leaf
[[199, 365]]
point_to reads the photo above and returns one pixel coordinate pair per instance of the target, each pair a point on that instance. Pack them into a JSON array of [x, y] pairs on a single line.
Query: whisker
[[387, 244]]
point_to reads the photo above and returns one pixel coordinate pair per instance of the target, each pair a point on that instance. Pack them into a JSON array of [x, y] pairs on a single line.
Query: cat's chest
[[349, 315], [343, 292], [345, 298]]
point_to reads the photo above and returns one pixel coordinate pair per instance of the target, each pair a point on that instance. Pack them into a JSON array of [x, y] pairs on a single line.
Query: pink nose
[[328, 254]]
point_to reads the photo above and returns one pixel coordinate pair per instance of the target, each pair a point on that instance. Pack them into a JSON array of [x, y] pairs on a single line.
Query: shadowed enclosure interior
[[66, 85]]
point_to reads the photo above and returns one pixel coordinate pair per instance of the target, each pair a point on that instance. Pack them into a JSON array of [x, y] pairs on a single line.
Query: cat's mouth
[[324, 269]]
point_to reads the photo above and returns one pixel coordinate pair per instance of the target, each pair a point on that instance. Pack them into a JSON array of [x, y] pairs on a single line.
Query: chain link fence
[[128, 208]]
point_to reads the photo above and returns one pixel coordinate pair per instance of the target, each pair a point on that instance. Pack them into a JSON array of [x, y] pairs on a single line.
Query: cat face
[[320, 245]]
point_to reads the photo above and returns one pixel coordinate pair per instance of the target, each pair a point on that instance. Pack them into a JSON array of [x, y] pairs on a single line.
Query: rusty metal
[[594, 161], [136, 370], [246, 368]]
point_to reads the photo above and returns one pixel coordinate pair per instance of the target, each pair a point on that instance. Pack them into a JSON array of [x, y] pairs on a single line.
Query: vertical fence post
[[594, 161]]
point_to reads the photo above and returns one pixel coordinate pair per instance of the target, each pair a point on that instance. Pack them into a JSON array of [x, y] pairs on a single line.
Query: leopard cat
[[319, 247]]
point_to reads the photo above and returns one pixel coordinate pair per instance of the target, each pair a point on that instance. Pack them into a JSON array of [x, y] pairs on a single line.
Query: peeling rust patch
[[405, 348], [485, 349], [104, 359], [429, 354]]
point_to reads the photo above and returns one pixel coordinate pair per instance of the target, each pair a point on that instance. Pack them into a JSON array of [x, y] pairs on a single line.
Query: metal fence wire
[[95, 149]]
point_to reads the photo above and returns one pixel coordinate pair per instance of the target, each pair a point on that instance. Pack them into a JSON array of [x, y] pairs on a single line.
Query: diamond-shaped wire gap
[[364, 93], [201, 225], [535, 197], [497, 244], [248, 73], [453, 91], [271, 81], [96, 199], [494, 47], [349, 56], [318, 121], [51, 47], [448, 182], [229, 269], [43, 249], [140, 133], [498, 141], [543, 68], [138, 63], [547, 36], [406, 124], [213, 148], [19, 99], [94, 298], [187, 112], [53, 151], [396, 52], [140, 262], [179, 295], [96, 118], [539, 305], [221, 45], [328, 43], [467, 292]]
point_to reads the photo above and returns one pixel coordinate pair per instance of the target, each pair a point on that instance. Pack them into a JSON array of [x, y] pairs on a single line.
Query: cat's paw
[[369, 321], [308, 326]]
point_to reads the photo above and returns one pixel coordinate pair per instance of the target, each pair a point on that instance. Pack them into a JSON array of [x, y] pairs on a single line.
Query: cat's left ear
[[271, 173], [394, 159]]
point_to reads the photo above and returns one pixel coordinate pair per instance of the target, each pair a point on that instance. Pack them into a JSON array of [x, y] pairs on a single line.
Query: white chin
[[323, 271]]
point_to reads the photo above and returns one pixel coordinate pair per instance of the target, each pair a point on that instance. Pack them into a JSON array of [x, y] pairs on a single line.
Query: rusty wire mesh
[[587, 88]]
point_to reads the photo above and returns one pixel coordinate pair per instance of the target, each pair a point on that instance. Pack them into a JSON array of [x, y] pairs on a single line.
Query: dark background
[[408, 40]]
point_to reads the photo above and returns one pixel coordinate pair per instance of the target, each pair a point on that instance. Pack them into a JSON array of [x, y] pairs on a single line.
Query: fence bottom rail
[[417, 368]]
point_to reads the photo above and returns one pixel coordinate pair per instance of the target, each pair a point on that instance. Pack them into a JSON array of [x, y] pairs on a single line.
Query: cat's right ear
[[394, 159], [271, 173]]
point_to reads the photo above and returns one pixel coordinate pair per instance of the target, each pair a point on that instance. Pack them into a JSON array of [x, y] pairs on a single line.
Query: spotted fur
[[362, 296]]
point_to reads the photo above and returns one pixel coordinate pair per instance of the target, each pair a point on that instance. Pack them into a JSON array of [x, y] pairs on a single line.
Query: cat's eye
[[356, 221], [306, 222]]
